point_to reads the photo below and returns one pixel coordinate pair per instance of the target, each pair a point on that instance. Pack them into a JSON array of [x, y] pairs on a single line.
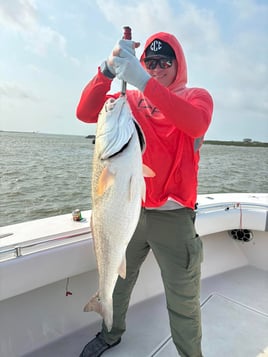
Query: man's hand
[[126, 45], [107, 67], [128, 68]]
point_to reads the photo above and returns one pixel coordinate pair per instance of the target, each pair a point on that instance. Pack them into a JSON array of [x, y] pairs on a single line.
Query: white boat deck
[[234, 317]]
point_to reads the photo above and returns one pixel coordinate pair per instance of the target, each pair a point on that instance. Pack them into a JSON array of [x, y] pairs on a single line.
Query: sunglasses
[[164, 63]]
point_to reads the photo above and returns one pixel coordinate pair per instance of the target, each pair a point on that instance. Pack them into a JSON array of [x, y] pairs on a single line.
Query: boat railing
[[226, 206], [37, 245], [18, 250]]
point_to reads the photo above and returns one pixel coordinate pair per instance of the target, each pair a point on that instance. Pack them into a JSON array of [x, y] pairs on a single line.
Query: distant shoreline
[[211, 142], [237, 143]]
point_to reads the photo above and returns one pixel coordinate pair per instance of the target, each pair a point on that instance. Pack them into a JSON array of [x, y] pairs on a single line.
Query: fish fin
[[147, 172], [106, 180], [122, 269], [94, 304], [143, 191], [105, 310]]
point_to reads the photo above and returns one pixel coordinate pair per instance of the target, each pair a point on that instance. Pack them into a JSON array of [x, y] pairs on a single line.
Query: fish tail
[[104, 309], [94, 304]]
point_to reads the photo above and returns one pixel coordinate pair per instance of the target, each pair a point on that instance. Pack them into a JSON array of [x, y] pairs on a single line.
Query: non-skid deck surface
[[234, 320]]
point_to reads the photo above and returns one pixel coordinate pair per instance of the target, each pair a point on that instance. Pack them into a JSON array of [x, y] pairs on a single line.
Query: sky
[[49, 50]]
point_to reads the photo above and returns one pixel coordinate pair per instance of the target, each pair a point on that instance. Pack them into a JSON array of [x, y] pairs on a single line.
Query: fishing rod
[[126, 36]]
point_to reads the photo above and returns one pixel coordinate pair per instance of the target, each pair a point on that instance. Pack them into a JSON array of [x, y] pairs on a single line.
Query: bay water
[[43, 175]]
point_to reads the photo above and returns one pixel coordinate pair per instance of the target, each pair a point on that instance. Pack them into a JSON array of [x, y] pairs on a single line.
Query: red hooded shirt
[[174, 121]]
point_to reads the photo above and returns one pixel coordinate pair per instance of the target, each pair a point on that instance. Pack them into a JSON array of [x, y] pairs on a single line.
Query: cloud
[[43, 38], [245, 9], [18, 15], [143, 16], [22, 17], [181, 17], [11, 90]]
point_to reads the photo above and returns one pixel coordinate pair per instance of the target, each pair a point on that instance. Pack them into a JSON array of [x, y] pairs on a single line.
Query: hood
[[181, 78]]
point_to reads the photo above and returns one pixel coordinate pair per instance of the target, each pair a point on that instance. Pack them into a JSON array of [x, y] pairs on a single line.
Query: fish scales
[[117, 190]]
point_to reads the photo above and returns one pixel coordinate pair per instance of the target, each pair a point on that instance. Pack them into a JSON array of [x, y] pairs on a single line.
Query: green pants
[[178, 250]]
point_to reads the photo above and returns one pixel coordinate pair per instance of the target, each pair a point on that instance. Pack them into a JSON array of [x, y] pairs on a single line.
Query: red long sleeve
[[93, 98], [190, 111]]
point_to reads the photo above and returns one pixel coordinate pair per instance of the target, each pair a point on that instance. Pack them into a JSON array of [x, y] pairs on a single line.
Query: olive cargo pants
[[178, 250]]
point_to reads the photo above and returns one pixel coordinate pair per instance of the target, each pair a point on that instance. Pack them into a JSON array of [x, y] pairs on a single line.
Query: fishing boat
[[48, 272]]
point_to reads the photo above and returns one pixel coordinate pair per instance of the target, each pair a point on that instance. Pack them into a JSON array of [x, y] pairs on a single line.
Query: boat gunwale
[[17, 250]]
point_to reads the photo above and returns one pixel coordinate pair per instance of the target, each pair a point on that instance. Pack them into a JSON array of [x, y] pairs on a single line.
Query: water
[[44, 175], [226, 168]]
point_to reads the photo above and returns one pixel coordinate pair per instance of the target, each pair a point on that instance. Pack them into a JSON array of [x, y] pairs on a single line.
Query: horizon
[[93, 136]]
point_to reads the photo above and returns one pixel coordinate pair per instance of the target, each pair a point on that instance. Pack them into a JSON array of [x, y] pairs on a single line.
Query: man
[[174, 119]]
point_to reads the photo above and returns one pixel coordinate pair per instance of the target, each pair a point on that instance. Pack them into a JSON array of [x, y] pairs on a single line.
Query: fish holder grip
[[127, 35]]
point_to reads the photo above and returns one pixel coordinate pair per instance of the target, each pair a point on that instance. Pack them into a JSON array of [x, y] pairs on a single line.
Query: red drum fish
[[118, 188]]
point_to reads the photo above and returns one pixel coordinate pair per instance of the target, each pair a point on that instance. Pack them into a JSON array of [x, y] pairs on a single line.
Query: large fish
[[117, 190]]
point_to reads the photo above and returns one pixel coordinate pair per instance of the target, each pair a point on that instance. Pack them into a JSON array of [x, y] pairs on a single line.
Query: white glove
[[129, 69], [126, 45]]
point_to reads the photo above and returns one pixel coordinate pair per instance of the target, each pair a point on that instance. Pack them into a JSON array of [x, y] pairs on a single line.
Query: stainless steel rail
[[13, 251], [230, 205]]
